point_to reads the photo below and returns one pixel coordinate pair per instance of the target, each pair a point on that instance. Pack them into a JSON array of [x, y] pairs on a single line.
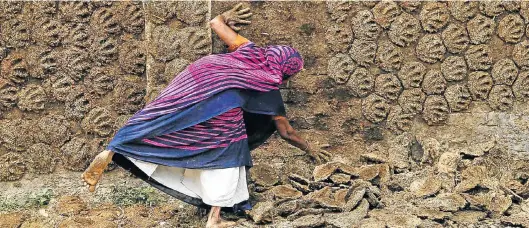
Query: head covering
[[284, 60], [250, 67]]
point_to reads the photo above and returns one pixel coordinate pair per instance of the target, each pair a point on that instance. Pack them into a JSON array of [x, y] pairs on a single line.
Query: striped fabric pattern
[[248, 68], [217, 132]]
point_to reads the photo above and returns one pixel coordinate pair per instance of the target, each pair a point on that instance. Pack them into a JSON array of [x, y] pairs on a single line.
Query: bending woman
[[194, 140]]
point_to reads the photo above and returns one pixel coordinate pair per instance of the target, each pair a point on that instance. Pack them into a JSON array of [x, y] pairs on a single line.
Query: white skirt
[[216, 187]]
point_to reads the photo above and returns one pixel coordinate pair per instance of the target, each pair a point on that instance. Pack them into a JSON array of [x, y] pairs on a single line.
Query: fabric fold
[[206, 121]]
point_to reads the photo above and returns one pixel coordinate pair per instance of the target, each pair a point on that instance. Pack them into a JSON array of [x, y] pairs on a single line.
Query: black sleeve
[[258, 113]]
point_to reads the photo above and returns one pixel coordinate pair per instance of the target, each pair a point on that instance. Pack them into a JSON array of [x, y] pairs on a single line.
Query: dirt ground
[[422, 104]]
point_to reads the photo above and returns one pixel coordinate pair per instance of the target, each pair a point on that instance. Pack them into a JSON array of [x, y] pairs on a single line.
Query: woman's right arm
[[224, 25]]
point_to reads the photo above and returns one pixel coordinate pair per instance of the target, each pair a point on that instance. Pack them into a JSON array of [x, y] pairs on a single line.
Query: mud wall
[[66, 66], [422, 88]]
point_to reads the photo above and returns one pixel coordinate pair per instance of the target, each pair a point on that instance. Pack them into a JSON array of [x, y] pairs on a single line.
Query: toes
[[91, 180], [92, 188], [85, 177]]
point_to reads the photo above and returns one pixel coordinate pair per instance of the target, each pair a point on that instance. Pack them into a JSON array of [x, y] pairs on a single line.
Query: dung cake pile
[[422, 183], [337, 194]]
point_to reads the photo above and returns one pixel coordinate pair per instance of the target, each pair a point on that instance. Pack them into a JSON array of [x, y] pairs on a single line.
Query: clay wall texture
[[427, 100], [73, 72]]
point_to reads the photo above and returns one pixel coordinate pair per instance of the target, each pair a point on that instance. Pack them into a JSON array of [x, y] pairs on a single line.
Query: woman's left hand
[[236, 15], [319, 155]]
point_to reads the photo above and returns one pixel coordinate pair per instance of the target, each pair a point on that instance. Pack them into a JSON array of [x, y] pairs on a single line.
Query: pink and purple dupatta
[[197, 121]]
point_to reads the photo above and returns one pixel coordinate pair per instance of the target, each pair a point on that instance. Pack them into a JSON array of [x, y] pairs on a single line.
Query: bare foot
[[214, 220], [221, 224], [93, 173]]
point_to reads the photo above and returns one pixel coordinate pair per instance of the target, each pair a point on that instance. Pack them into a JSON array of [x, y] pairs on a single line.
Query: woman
[[194, 140]]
